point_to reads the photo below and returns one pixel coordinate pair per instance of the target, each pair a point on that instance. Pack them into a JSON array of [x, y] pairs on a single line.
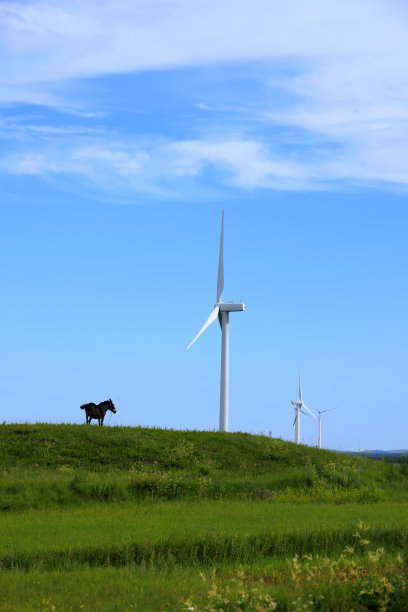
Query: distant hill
[[392, 455]]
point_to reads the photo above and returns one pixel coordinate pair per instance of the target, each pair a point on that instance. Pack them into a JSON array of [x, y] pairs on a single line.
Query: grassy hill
[[65, 464], [177, 520]]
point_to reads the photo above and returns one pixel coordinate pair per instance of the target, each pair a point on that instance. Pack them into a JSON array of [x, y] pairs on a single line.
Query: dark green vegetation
[[397, 456], [146, 519]]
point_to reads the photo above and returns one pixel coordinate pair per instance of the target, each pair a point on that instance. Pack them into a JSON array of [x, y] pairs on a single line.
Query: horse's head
[[111, 406]]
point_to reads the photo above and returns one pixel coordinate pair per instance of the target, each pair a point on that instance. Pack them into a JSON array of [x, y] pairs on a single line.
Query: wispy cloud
[[56, 41], [341, 68], [122, 169]]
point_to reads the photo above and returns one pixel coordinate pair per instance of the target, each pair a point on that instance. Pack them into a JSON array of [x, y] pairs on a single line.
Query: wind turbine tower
[[222, 310], [298, 405]]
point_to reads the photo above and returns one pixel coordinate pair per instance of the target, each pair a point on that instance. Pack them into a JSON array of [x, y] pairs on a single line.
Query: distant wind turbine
[[222, 310], [299, 404], [320, 423]]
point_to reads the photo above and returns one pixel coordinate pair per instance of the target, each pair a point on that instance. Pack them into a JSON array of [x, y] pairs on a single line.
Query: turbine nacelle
[[230, 306]]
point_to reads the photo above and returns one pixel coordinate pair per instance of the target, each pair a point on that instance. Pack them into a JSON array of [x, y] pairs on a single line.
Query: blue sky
[[124, 131]]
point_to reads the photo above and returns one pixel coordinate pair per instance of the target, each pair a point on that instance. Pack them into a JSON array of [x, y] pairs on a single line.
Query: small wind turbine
[[320, 423], [299, 404], [222, 310]]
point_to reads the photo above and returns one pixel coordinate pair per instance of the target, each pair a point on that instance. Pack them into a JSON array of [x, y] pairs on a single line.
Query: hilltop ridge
[[104, 448], [46, 464]]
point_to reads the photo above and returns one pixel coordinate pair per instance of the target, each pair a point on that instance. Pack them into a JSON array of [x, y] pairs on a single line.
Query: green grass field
[[145, 519]]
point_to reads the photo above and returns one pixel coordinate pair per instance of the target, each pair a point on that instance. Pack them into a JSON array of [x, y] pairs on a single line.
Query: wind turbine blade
[[329, 410], [311, 413], [295, 419], [208, 322], [220, 319], [300, 388], [313, 405], [220, 282]]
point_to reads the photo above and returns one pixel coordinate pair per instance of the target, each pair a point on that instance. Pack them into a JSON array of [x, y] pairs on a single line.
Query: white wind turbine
[[299, 404], [222, 310], [320, 423]]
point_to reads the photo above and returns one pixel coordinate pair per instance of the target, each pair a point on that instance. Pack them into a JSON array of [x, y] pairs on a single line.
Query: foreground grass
[[143, 519], [166, 534], [348, 582]]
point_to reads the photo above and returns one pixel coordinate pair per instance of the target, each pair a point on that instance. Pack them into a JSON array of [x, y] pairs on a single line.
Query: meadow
[[120, 518]]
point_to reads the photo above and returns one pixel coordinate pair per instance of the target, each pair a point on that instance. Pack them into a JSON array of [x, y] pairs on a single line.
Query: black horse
[[98, 411]]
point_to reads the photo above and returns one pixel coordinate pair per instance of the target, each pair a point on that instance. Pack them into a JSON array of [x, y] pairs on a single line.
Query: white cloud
[[347, 83], [48, 41]]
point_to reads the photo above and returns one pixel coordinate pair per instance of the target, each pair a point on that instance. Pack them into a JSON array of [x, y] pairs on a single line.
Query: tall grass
[[22, 489], [199, 551], [361, 577], [167, 534]]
